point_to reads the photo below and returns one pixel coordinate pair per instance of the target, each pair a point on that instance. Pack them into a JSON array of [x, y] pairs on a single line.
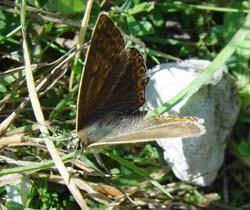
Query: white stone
[[195, 160]]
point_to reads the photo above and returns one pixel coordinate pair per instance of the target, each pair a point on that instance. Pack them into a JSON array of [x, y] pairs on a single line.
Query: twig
[[40, 118], [5, 124], [42, 14], [81, 38]]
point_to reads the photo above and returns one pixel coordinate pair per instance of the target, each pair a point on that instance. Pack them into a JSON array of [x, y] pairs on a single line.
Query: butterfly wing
[[129, 94], [112, 87], [112, 78], [152, 129], [99, 68]]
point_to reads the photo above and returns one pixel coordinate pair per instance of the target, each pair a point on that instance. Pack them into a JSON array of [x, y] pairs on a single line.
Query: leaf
[[137, 170], [156, 18], [139, 28], [14, 205], [66, 7], [2, 21], [3, 89], [243, 149], [143, 7]]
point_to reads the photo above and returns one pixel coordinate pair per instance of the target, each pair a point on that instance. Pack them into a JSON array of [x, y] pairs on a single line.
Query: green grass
[[218, 32]]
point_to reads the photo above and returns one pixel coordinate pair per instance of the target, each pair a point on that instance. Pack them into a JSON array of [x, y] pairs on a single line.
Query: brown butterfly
[[112, 90]]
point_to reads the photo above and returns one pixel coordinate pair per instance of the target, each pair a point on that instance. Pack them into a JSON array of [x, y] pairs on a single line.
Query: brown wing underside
[[107, 85]]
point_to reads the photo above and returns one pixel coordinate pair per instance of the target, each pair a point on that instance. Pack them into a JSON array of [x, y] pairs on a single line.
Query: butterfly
[[112, 90]]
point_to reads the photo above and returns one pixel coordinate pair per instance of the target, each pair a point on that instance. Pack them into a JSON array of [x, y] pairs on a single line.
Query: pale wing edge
[[167, 130]]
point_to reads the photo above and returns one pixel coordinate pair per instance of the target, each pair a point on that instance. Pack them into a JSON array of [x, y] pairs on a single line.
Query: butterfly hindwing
[[129, 92]]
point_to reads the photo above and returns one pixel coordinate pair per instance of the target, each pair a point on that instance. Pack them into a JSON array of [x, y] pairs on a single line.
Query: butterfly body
[[112, 90]]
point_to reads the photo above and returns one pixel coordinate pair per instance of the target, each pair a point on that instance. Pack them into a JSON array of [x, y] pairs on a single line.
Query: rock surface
[[195, 160]]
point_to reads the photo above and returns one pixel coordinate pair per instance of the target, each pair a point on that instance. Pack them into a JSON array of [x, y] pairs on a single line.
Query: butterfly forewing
[[141, 130], [104, 56]]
